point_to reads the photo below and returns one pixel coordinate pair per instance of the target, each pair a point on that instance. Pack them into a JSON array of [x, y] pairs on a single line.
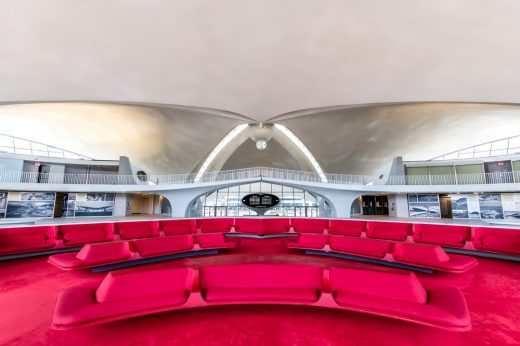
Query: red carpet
[[29, 289]]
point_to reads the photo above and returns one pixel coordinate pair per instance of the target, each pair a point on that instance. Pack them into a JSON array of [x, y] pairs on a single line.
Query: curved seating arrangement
[[492, 242], [128, 293], [93, 255], [426, 256]]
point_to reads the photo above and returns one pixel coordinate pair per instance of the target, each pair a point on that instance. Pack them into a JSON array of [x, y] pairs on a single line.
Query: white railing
[[21, 146], [256, 172], [500, 147]]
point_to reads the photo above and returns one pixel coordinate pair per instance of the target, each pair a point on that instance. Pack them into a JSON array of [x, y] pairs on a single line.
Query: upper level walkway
[[34, 181]]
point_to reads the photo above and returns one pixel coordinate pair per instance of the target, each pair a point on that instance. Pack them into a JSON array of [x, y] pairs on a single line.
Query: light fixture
[[304, 150], [261, 144]]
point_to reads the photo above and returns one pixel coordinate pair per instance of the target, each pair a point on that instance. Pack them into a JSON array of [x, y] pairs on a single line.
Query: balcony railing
[[250, 173]]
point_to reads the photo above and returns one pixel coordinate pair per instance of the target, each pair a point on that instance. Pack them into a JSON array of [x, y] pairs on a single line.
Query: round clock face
[[260, 200]]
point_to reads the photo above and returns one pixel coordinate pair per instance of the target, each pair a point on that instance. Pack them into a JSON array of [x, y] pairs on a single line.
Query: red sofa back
[[163, 245], [181, 226], [352, 228], [276, 225], [497, 239], [260, 282], [420, 254], [309, 225], [448, 235], [137, 229], [360, 246], [105, 252], [388, 230], [80, 234], [249, 225], [215, 225], [20, 239]]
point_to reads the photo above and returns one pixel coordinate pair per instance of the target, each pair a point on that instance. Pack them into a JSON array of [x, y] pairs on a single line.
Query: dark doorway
[[445, 204], [43, 173], [375, 205]]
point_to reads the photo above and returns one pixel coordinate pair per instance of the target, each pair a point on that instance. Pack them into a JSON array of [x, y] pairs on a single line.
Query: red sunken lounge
[[243, 280]]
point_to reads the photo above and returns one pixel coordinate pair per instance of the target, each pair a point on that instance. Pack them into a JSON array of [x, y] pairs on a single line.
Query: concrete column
[[180, 200], [341, 200], [120, 204]]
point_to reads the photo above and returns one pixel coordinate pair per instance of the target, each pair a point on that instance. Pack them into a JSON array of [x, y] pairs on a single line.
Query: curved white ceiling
[[260, 58]]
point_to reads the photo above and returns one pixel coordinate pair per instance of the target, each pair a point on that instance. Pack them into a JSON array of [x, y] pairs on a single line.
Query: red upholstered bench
[[177, 227], [215, 241], [388, 230], [128, 293], [432, 257], [309, 225], [446, 235], [309, 241], [249, 225], [123, 294], [501, 240], [399, 295], [79, 234], [262, 226], [215, 225], [163, 245], [352, 228], [137, 229], [92, 255], [260, 282], [275, 225], [22, 239], [360, 246]]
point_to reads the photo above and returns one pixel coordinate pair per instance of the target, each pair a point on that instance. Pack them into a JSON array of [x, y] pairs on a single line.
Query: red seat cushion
[[497, 239], [181, 226], [420, 254], [309, 225], [360, 246], [137, 229], [447, 235], [260, 282], [214, 241], [215, 225], [86, 233], [309, 241], [388, 230], [163, 245], [352, 228], [20, 239], [402, 286], [128, 284]]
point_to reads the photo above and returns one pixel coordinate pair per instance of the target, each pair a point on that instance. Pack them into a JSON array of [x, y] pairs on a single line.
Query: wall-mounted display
[[3, 200], [465, 206], [98, 197], [424, 206], [30, 204], [491, 206], [511, 205], [94, 208]]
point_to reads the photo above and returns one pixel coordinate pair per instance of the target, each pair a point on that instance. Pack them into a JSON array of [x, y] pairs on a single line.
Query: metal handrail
[[255, 172], [22, 146]]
